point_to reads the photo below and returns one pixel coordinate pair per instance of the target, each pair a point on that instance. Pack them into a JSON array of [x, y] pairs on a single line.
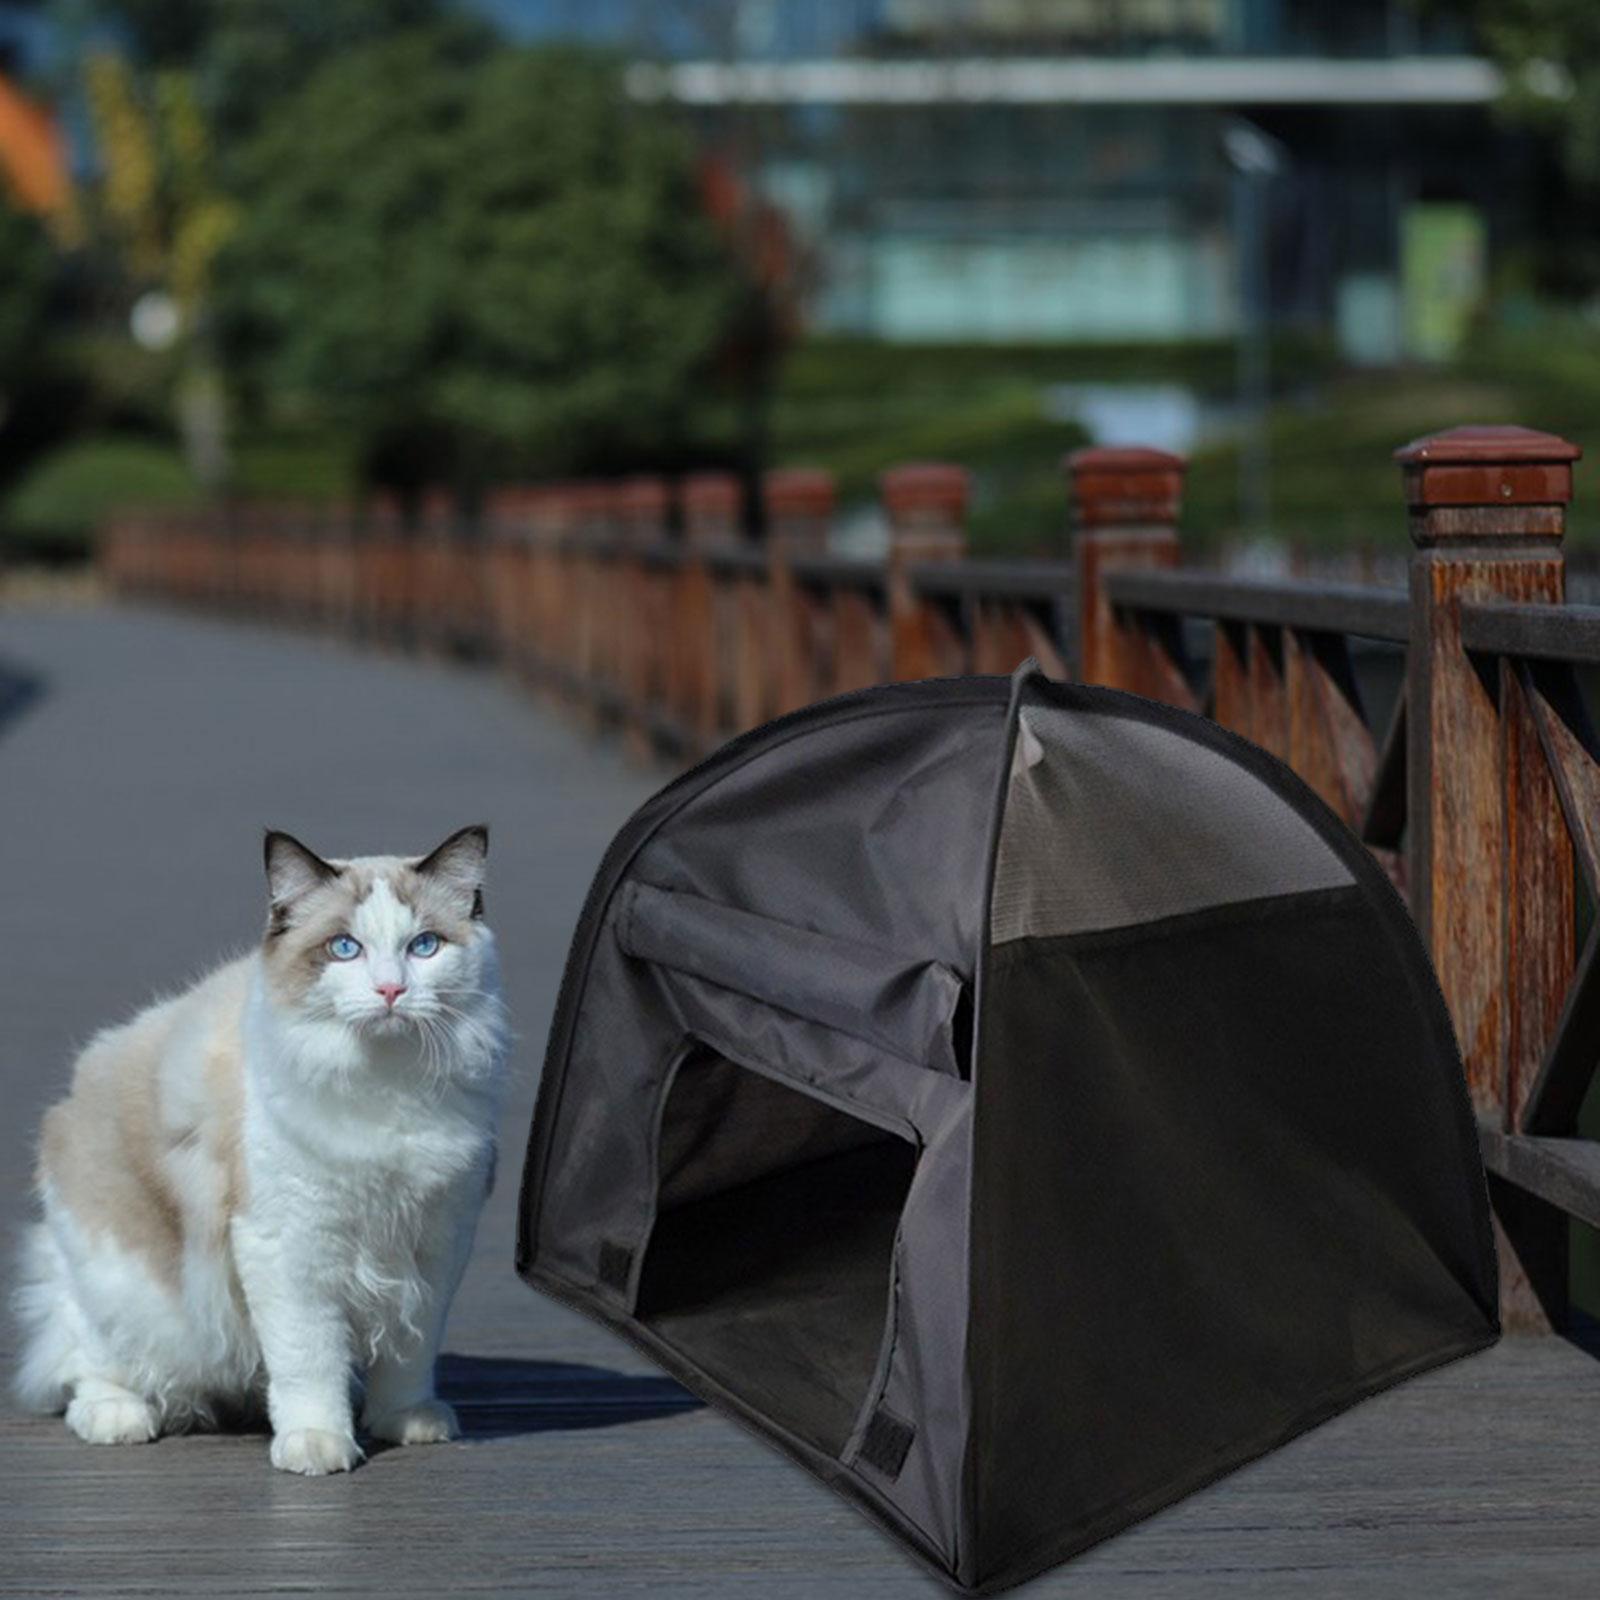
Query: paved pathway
[[133, 787]]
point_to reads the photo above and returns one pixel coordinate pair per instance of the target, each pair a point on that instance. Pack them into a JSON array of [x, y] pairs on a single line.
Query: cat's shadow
[[503, 1397], [19, 689], [499, 1397]]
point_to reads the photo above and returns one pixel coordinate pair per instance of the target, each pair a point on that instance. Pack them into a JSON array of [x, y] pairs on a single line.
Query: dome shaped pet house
[[1022, 1103]]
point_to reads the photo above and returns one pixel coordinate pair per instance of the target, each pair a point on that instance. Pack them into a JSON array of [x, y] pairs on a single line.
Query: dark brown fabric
[[1199, 1115], [1075, 1220]]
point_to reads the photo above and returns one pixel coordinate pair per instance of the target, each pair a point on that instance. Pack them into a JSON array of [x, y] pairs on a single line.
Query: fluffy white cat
[[274, 1177]]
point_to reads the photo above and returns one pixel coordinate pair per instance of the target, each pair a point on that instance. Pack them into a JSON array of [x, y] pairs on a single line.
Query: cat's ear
[[292, 870], [458, 864]]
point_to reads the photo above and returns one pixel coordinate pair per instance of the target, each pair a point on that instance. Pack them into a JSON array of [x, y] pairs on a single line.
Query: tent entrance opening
[[772, 1252]]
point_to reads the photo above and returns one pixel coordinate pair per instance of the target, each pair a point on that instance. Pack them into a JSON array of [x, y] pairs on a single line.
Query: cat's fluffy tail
[[43, 1308]]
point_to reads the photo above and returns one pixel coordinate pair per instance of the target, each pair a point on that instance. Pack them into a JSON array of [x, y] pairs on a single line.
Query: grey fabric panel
[[875, 827], [622, 1057], [816, 1059], [924, 1374], [902, 1004], [925, 1380], [1113, 821]]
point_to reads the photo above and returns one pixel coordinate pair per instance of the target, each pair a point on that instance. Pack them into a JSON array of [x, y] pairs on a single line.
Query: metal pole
[[1256, 158]]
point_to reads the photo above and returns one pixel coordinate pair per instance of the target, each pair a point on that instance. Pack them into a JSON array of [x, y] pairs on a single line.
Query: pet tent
[[1023, 1103]]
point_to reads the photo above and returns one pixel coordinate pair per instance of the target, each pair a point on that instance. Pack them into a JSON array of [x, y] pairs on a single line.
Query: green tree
[[30, 394], [172, 108], [246, 54], [160, 206], [1550, 50], [478, 259], [27, 272]]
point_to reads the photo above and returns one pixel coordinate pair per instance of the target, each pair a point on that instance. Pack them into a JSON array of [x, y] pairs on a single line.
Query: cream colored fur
[[273, 1178]]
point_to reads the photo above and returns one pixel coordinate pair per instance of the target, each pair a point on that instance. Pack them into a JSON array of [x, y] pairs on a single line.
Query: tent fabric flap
[[902, 1005]]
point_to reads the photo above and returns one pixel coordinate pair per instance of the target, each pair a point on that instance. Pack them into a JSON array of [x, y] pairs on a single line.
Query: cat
[[275, 1176]]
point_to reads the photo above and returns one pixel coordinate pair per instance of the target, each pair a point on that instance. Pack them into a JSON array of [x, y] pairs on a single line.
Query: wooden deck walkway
[[134, 781]]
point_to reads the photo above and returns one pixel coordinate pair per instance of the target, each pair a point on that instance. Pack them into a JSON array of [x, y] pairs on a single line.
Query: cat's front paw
[[426, 1422], [314, 1451], [119, 1420]]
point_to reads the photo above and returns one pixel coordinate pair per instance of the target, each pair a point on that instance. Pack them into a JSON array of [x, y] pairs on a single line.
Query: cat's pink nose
[[390, 991]]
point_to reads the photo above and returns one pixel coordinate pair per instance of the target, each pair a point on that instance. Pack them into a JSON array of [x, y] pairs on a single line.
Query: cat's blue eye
[[425, 945], [343, 948]]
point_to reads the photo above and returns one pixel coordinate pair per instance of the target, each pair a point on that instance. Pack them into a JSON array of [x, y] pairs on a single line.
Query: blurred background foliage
[[27, 273], [331, 247], [481, 263], [313, 248], [1545, 45]]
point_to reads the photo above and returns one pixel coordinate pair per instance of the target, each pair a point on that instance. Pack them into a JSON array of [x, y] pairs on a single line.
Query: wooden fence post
[[778, 622], [800, 504], [643, 508], [507, 555], [434, 542], [538, 598], [385, 529], [1125, 504], [589, 506], [926, 505], [340, 532], [1490, 859], [551, 642], [713, 504]]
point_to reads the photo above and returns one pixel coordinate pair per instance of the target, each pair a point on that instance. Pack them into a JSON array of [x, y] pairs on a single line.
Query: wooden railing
[[1480, 791]]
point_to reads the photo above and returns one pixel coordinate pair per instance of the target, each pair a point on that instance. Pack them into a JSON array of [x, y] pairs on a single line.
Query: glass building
[[1010, 170], [1060, 169]]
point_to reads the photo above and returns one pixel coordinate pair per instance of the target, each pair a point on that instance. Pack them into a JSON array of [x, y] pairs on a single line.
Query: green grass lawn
[[858, 408], [998, 430], [1334, 483]]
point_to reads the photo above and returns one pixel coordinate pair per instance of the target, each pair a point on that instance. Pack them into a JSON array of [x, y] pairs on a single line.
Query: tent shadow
[[502, 1397]]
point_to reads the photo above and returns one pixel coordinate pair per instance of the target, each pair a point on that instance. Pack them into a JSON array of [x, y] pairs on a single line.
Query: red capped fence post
[[1487, 513], [340, 519], [592, 544], [1125, 504], [557, 588], [926, 505], [780, 671], [433, 543], [507, 522], [1490, 858], [800, 503], [643, 509], [713, 508], [713, 520]]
